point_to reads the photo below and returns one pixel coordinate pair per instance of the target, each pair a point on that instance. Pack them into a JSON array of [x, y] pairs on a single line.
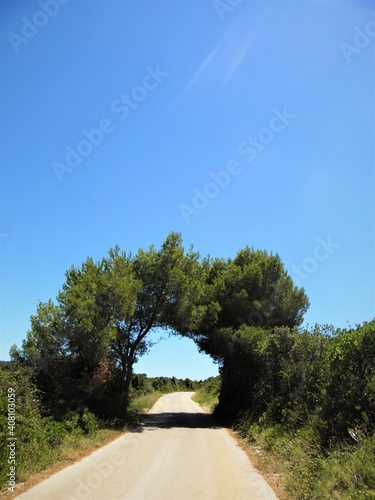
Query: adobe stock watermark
[[11, 440], [249, 149], [31, 27], [101, 472], [122, 107], [362, 39], [222, 7], [309, 265], [254, 318]]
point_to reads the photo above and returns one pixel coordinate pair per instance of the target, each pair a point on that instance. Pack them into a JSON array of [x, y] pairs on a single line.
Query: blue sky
[[249, 125]]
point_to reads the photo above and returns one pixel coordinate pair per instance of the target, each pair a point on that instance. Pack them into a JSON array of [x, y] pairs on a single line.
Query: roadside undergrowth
[[294, 461], [208, 394], [39, 458], [303, 470]]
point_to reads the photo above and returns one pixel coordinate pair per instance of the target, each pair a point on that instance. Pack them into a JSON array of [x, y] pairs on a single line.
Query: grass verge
[[208, 394], [298, 468]]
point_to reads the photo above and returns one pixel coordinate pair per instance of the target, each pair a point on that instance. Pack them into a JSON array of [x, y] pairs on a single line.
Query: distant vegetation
[[306, 398]]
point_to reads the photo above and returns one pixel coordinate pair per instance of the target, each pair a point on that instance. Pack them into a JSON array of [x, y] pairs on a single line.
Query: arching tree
[[244, 298], [104, 313], [106, 310]]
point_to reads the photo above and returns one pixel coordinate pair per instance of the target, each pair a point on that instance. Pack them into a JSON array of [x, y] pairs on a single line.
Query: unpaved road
[[178, 454]]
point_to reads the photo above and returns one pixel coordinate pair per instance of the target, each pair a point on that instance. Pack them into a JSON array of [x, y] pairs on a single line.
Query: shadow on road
[[155, 421]]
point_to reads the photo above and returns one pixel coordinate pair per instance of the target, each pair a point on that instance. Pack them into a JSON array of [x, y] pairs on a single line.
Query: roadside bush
[[81, 422], [350, 390], [347, 472], [344, 472], [88, 422], [38, 438], [208, 392], [316, 425]]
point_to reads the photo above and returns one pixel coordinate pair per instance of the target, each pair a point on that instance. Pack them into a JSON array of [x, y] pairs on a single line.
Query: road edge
[[273, 480]]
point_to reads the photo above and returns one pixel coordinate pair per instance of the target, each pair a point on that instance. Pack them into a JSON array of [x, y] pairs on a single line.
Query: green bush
[[88, 422], [310, 405], [208, 392], [71, 422], [350, 389], [39, 439], [347, 472]]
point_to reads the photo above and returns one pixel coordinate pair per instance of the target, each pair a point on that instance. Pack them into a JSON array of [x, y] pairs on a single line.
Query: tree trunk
[[126, 386]]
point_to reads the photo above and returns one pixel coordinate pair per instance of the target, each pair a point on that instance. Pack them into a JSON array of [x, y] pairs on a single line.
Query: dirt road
[[178, 454]]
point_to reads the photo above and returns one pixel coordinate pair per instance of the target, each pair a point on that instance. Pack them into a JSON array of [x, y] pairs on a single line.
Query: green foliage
[[81, 422], [294, 377], [139, 404], [244, 299], [308, 470], [208, 392], [255, 289], [277, 380], [88, 422], [38, 438], [312, 409], [82, 349], [350, 391], [142, 385]]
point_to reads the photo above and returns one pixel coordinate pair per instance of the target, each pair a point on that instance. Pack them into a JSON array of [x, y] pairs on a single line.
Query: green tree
[[350, 388], [162, 280], [46, 351], [252, 291], [101, 323], [304, 374]]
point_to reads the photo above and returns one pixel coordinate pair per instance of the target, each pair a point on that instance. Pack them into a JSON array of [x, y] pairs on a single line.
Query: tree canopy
[[82, 348]]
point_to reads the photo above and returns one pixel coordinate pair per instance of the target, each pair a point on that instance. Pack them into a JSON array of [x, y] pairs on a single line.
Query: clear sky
[[248, 124]]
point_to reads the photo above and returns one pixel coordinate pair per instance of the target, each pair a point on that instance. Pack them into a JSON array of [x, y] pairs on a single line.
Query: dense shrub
[[208, 392], [350, 388], [323, 378], [39, 438], [307, 399]]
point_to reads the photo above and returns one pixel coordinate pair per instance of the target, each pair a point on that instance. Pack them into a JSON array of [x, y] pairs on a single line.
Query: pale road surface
[[178, 454]]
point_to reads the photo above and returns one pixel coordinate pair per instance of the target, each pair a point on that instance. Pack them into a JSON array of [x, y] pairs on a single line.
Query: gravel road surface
[[178, 453]]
